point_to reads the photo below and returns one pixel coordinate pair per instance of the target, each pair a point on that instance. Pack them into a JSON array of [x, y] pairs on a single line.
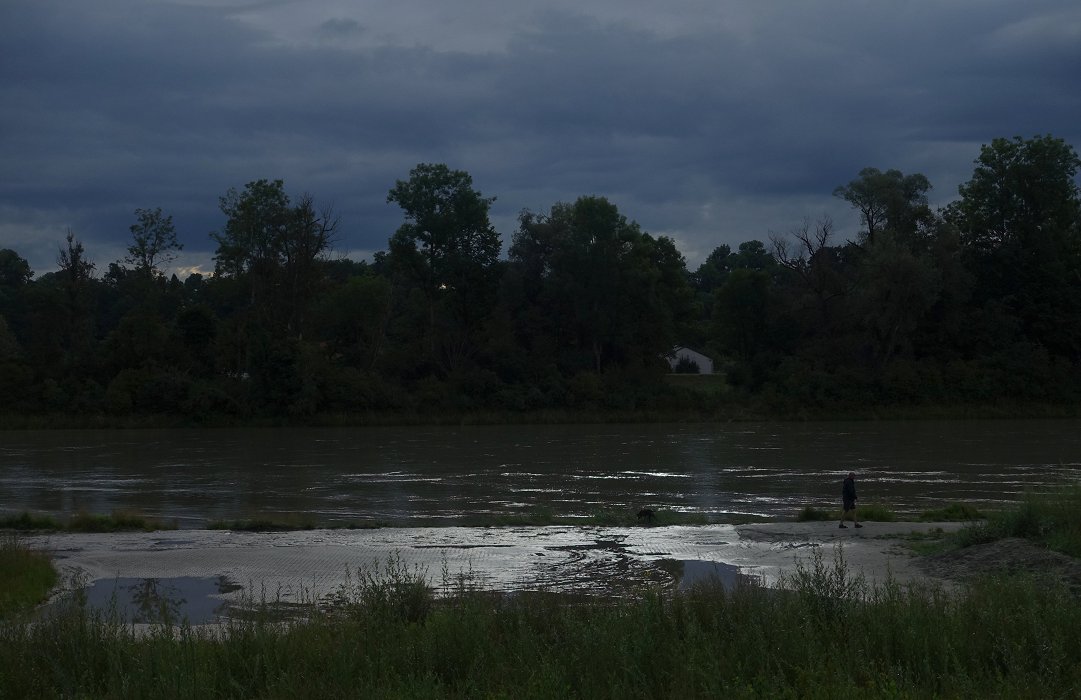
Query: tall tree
[[273, 249], [153, 241], [308, 235], [888, 199], [448, 248], [1019, 189], [15, 275], [1020, 219], [611, 294], [14, 270], [256, 219], [816, 265], [897, 288], [75, 276]]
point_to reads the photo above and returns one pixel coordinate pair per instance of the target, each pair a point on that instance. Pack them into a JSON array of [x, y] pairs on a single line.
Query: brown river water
[[428, 475]]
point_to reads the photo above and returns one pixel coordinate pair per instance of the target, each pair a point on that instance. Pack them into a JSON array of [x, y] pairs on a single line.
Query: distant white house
[[685, 355]]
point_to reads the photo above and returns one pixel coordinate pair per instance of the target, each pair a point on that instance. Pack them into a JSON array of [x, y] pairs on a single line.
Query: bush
[[686, 365], [394, 592], [812, 514]]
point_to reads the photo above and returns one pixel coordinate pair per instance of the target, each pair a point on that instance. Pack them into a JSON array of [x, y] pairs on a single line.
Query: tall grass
[[117, 521], [1052, 519], [26, 577], [828, 635]]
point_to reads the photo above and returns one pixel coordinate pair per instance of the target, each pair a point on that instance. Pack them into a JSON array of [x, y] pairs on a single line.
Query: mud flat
[[310, 565]]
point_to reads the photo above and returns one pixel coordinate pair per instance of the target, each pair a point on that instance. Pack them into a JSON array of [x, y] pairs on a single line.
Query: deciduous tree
[[888, 200], [153, 241], [448, 248]]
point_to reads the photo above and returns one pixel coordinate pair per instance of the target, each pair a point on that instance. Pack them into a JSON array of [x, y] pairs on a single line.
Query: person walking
[[848, 499]]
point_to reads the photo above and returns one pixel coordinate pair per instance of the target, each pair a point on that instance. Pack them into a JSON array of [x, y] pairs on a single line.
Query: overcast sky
[[708, 121]]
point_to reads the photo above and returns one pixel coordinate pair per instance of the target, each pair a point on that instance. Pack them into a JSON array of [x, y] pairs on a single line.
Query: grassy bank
[[117, 521], [829, 636], [1051, 519]]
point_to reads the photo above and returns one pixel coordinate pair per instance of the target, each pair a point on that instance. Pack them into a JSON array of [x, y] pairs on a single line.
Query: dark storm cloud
[[712, 122]]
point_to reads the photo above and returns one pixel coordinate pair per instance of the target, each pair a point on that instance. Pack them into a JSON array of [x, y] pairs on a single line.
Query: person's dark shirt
[[848, 489]]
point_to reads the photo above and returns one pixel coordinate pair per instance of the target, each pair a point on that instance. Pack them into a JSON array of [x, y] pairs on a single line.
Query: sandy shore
[[309, 565]]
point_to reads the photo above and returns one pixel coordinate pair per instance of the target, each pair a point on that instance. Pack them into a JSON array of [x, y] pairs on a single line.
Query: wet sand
[[306, 566]]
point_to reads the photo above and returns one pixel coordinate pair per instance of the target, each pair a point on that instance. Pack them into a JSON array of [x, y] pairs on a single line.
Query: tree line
[[976, 303]]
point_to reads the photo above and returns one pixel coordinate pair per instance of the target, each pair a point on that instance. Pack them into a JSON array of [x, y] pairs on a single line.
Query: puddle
[[695, 572], [196, 600]]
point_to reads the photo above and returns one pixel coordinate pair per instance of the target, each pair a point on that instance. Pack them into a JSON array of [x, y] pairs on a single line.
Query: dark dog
[[647, 515]]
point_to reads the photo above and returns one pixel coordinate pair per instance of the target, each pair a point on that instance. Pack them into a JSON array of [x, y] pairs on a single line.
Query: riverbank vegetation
[[824, 631], [1049, 519], [82, 521], [829, 634], [971, 310], [26, 577]]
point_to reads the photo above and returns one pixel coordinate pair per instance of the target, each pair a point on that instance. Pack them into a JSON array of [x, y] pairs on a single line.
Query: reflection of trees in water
[[155, 602]]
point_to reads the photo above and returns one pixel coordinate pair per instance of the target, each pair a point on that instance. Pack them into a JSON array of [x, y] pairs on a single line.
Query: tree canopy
[[976, 304]]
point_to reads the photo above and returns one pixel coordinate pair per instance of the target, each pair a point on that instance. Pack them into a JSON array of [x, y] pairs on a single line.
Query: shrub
[[812, 514]]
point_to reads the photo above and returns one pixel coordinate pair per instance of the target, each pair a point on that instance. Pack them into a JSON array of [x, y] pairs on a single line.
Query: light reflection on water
[[173, 600], [412, 474]]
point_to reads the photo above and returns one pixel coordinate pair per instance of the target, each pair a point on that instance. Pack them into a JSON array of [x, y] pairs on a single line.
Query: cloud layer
[[708, 122]]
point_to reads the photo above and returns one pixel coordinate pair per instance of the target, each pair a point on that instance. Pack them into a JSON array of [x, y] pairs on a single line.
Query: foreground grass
[[26, 577], [829, 635]]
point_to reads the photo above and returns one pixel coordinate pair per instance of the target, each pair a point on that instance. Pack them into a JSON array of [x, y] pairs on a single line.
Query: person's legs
[[843, 514]]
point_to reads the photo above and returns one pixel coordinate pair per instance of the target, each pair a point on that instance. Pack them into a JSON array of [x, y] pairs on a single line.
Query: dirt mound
[[1007, 556]]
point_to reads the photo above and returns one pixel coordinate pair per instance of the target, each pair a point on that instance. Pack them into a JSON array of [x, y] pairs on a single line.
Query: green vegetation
[[952, 513], [26, 577], [117, 521], [827, 635], [812, 514], [29, 521], [1051, 519], [971, 310]]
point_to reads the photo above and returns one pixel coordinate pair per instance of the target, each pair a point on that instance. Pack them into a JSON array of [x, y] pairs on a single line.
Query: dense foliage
[[975, 304]]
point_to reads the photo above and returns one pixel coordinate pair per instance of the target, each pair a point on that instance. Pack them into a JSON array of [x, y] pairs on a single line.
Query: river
[[414, 475]]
